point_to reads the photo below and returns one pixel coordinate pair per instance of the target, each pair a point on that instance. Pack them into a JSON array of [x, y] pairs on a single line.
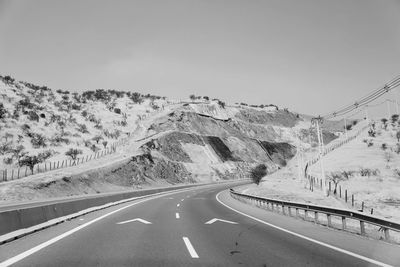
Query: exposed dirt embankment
[[138, 172]]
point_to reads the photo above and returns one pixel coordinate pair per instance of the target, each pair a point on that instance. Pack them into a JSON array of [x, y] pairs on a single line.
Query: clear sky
[[311, 56]]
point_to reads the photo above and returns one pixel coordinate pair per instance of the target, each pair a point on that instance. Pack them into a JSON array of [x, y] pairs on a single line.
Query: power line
[[363, 101]]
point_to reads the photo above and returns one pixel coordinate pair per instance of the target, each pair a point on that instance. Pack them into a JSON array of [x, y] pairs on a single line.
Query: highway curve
[[195, 227]]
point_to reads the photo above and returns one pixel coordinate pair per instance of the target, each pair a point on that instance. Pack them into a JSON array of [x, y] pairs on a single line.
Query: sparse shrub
[[33, 116], [206, 98], [192, 97], [38, 140], [370, 143], [368, 172], [384, 122], [8, 160], [87, 143], [18, 152], [25, 128], [3, 111], [97, 138], [73, 153], [395, 117], [94, 148], [136, 98], [354, 122], [75, 106], [42, 115], [82, 128], [347, 174], [117, 110], [371, 133], [5, 148], [348, 127], [257, 173], [221, 104], [384, 146], [84, 113], [398, 136]]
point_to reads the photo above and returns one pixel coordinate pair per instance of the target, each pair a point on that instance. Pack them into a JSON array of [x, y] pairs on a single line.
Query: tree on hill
[[73, 153], [258, 173], [336, 178], [31, 161]]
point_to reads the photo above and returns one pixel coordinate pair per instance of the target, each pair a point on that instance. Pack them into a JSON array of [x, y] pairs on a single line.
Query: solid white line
[[177, 215], [178, 205], [33, 250], [190, 248], [306, 238]]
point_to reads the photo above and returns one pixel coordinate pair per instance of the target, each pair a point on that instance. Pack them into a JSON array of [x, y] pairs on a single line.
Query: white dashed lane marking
[[190, 248]]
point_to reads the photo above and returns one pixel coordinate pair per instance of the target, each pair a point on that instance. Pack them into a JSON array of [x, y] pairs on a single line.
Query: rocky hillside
[[197, 140]]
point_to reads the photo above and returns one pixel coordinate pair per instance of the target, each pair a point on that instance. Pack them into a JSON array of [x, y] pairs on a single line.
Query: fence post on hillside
[[345, 195], [340, 191], [12, 174], [26, 170], [90, 157], [362, 206], [352, 200], [38, 168], [18, 174], [62, 163], [5, 175]]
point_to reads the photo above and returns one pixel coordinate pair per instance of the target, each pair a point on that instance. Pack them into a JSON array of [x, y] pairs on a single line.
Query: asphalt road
[[185, 229]]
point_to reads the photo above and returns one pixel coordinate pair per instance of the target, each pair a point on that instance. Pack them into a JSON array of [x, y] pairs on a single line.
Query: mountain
[[157, 140]]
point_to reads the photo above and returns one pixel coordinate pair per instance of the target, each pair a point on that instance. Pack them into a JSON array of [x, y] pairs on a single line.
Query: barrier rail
[[287, 209]]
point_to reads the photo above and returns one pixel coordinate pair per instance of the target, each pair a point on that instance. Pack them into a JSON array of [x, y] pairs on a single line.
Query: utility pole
[[396, 98], [317, 122], [299, 157]]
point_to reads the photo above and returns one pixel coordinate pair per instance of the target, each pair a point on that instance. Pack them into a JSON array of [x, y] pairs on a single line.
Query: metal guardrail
[[288, 207]]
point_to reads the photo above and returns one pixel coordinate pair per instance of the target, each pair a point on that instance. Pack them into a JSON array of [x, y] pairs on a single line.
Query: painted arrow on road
[[215, 219], [135, 220]]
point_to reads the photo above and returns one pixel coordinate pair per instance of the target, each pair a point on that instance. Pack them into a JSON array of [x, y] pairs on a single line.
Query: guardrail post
[[305, 214], [316, 217], [387, 235], [272, 206], [343, 223], [297, 212], [283, 210], [329, 219], [362, 227], [290, 211], [345, 195]]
